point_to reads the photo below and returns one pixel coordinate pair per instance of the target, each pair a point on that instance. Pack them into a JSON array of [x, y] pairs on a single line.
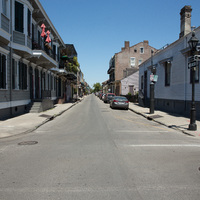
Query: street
[[92, 152]]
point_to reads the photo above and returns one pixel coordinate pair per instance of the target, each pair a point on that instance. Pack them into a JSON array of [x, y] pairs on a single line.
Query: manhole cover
[[28, 143]]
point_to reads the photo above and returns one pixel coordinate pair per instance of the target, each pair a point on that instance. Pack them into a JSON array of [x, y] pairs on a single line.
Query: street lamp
[[153, 70], [192, 44]]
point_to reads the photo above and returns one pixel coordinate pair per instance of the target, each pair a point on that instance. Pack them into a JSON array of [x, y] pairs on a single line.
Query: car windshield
[[121, 98], [111, 95]]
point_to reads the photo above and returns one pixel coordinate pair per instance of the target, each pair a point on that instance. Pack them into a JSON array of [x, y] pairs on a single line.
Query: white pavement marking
[[164, 145], [131, 131]]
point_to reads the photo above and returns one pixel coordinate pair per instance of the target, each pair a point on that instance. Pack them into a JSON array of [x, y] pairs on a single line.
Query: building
[[29, 59], [130, 84], [105, 87], [173, 90], [125, 62], [71, 68]]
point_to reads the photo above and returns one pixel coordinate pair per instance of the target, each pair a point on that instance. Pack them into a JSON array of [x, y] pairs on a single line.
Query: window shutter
[[25, 77], [1, 74], [19, 17], [20, 75], [4, 71], [13, 74]]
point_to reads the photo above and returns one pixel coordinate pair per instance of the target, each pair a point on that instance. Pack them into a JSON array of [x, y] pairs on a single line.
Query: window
[[33, 32], [54, 52], [167, 73], [22, 76], [29, 23], [2, 71], [5, 7], [139, 62], [15, 74], [141, 50], [19, 17], [132, 59]]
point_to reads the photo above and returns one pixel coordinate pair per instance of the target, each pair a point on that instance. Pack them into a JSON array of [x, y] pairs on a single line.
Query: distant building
[[125, 62]]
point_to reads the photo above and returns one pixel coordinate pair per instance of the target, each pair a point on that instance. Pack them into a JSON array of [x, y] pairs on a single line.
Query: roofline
[[137, 44], [173, 43], [49, 21]]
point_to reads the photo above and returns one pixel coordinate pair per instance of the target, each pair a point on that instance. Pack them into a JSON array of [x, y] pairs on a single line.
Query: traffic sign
[[197, 57], [193, 58], [192, 64], [153, 78]]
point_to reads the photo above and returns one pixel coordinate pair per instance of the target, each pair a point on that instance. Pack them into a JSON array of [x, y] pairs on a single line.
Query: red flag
[[48, 38], [43, 30]]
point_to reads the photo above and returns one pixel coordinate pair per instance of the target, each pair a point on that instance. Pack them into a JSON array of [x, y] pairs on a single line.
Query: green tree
[[97, 87]]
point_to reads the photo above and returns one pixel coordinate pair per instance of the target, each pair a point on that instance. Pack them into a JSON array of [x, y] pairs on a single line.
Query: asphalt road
[[92, 152]]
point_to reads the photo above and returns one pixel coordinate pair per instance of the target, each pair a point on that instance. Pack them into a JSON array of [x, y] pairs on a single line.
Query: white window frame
[[140, 61], [141, 50], [132, 61]]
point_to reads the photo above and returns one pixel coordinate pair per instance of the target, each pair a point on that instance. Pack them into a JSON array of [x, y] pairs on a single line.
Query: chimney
[[126, 44], [185, 21]]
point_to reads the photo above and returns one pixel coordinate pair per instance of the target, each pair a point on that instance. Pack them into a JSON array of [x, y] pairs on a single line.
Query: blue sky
[[98, 28]]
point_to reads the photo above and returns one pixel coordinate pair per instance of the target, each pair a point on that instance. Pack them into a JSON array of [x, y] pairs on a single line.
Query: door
[[145, 88]]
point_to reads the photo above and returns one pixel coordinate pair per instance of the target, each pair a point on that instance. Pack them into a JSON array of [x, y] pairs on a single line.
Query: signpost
[[193, 61], [153, 78]]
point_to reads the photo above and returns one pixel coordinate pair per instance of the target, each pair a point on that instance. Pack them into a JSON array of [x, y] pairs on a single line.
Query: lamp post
[[152, 85], [192, 44]]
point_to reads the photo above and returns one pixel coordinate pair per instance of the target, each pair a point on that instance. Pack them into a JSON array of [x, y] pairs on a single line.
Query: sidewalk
[[176, 122], [31, 121]]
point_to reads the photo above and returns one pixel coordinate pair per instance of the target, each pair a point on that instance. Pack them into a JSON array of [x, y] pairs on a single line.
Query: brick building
[[122, 63]]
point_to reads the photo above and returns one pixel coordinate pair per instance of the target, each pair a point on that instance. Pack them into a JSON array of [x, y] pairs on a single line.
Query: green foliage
[[97, 87], [72, 65]]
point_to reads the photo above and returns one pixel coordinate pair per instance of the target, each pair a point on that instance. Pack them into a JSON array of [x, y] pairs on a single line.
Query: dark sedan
[[108, 97], [119, 102]]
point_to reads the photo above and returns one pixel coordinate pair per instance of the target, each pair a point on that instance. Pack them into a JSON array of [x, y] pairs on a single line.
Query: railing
[[47, 48], [5, 23]]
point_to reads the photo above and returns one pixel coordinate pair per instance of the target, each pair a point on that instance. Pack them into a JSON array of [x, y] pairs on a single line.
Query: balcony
[[43, 55], [4, 29], [111, 69]]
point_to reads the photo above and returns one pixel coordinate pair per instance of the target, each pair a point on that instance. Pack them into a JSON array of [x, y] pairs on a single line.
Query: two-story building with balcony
[[27, 57]]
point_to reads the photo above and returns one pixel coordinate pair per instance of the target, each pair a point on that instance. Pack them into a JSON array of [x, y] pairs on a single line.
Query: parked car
[[108, 97], [119, 102], [103, 97]]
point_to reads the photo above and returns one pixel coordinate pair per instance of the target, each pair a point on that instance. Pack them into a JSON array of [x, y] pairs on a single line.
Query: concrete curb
[[150, 118]]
